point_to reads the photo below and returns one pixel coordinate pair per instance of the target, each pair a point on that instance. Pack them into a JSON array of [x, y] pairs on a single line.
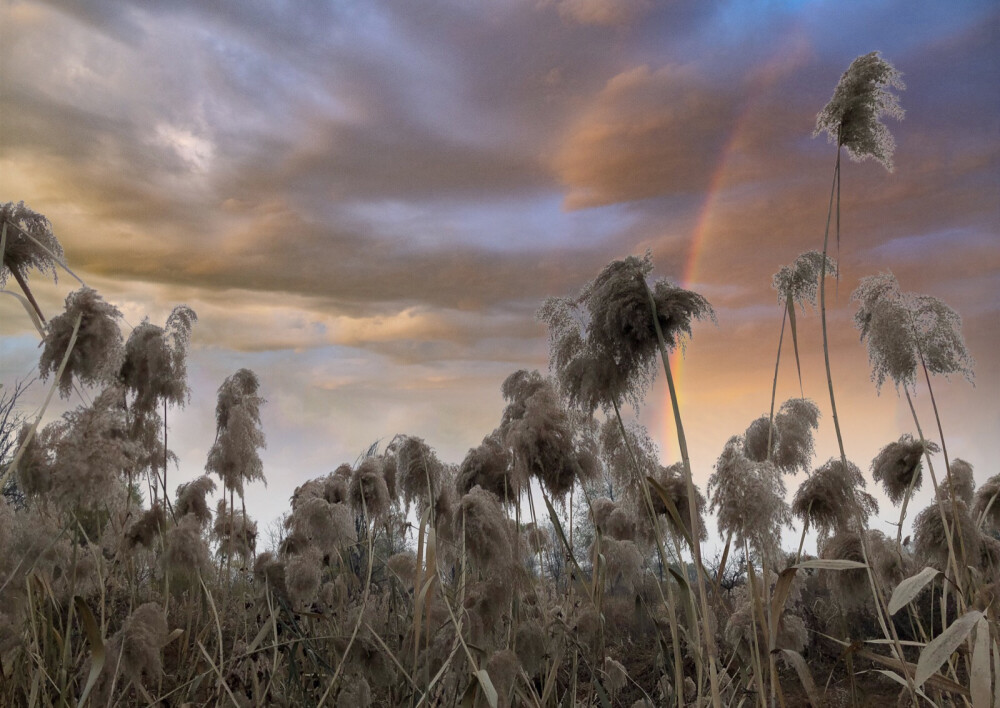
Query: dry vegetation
[[403, 580]]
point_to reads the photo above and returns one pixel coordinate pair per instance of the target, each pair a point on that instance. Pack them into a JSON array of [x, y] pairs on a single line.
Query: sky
[[366, 203]]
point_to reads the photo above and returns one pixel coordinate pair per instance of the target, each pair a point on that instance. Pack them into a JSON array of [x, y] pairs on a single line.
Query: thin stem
[[802, 538], [885, 621], [774, 386], [947, 461], [692, 503], [26, 290], [822, 307], [952, 557], [678, 662]]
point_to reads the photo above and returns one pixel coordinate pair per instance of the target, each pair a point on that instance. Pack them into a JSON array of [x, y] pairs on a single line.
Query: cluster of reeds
[[559, 563]]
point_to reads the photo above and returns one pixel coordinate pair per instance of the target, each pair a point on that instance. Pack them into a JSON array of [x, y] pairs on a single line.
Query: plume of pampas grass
[[588, 378], [269, 572], [989, 558], [621, 319], [31, 244], [903, 329], [368, 489], [186, 550], [531, 644], [892, 562], [853, 116], [154, 366], [748, 498], [830, 497], [898, 466], [191, 499], [486, 602], [329, 526], [502, 667], [144, 530], [90, 451], [987, 502], [672, 480], [404, 566], [34, 471], [929, 539], [354, 691], [850, 587], [621, 524], [623, 559], [139, 642], [234, 531], [417, 469], [960, 482], [938, 330], [739, 631], [615, 454], [539, 432], [588, 628], [796, 420], [486, 530], [303, 576], [799, 282], [755, 439], [615, 675], [97, 355], [535, 539], [234, 456], [600, 510], [490, 467]]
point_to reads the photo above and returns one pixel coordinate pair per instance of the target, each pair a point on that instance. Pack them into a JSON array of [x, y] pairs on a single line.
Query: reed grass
[[105, 600]]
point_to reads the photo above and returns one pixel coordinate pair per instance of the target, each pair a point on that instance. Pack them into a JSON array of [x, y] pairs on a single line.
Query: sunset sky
[[366, 202]]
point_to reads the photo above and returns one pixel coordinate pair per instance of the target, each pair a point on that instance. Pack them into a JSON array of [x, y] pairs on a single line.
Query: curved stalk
[[692, 503], [669, 599], [774, 386]]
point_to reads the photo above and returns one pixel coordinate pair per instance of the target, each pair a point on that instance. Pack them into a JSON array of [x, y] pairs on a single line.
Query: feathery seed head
[[541, 435], [329, 526], [898, 465], [186, 551], [903, 328], [417, 468], [931, 543], [234, 455], [672, 480], [959, 482], [851, 588], [23, 253], [749, 498], [799, 281], [487, 537], [150, 524], [191, 499], [139, 643], [756, 437], [97, 355], [861, 99], [303, 575], [987, 502], [796, 420], [828, 499], [368, 490]]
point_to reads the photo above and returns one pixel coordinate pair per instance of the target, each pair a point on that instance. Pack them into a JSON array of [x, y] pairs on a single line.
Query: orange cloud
[[606, 13], [646, 133]]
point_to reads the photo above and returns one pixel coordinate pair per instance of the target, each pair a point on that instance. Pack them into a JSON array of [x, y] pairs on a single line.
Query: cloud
[[608, 13], [646, 133]]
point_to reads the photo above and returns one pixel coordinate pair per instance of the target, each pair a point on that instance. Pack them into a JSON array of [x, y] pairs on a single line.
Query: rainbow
[[768, 75]]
